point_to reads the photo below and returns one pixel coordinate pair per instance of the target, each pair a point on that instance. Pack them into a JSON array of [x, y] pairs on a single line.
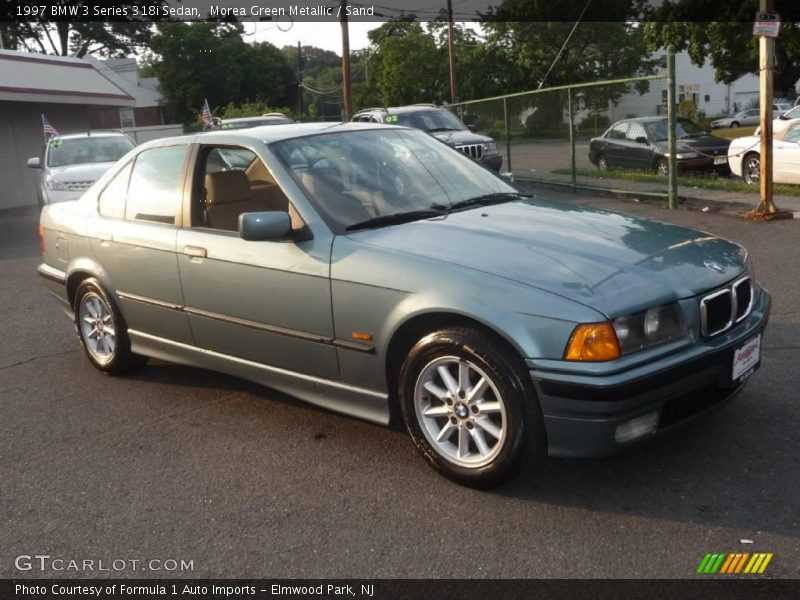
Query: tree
[[122, 37], [722, 32], [197, 61]]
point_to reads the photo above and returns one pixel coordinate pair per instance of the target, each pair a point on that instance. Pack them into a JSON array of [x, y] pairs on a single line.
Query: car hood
[[85, 172], [612, 262], [457, 138], [703, 142]]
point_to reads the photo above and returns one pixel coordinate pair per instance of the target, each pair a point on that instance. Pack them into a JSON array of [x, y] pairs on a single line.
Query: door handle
[[196, 251], [105, 236]]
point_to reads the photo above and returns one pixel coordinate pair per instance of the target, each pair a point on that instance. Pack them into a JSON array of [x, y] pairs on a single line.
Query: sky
[[322, 35]]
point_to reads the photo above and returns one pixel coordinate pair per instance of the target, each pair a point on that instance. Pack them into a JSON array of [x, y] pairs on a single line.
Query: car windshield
[[84, 150], [429, 120], [657, 130], [792, 114], [355, 176]]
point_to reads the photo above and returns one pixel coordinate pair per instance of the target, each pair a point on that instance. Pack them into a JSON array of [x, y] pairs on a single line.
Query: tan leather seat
[[228, 195], [344, 208]]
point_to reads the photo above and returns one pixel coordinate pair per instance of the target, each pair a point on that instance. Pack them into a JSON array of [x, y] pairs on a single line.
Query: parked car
[[749, 116], [641, 143], [247, 122], [745, 157], [440, 123], [375, 271], [70, 164]]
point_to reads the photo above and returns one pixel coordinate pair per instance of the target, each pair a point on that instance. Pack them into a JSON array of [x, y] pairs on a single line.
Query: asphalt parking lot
[[179, 463]]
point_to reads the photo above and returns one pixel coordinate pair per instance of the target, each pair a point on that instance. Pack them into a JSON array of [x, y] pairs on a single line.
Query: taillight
[[41, 239]]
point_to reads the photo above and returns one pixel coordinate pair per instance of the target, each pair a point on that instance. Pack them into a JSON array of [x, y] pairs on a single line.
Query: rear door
[[615, 145], [787, 156], [134, 240], [267, 302]]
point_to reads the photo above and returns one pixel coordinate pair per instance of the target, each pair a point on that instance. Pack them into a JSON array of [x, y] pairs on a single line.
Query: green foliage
[[211, 61], [249, 109], [721, 32], [687, 109]]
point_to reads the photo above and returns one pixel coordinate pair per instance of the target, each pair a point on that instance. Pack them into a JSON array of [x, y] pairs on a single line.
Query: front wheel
[[102, 330], [662, 166], [469, 407], [751, 169], [735, 124], [602, 163]]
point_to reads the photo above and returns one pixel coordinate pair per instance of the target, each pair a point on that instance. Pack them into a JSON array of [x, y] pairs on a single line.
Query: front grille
[[78, 185], [721, 309], [472, 150]]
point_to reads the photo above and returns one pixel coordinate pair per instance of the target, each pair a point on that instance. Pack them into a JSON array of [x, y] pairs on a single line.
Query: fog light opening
[[636, 428]]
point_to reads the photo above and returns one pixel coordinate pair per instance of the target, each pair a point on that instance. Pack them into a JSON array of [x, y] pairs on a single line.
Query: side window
[[234, 181], [617, 132], [154, 193], [793, 135], [635, 131], [111, 202]]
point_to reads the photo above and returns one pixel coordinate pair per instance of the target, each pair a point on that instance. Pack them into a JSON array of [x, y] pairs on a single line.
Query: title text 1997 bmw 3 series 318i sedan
[[375, 271]]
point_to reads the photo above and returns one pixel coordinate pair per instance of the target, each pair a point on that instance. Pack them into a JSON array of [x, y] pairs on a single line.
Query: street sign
[[767, 23]]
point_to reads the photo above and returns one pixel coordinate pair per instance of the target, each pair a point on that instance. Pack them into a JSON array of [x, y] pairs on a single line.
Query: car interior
[[236, 181]]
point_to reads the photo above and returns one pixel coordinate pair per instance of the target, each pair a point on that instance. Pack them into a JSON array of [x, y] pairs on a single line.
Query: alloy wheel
[[751, 170], [97, 327]]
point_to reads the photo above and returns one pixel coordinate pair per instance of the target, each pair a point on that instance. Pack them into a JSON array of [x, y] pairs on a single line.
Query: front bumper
[[582, 412]]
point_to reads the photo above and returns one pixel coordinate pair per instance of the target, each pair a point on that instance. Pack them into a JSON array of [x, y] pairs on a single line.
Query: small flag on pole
[[207, 118], [49, 130]]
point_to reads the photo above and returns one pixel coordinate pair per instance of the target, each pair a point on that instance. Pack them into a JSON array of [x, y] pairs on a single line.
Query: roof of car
[[249, 119], [83, 134], [397, 110], [268, 133]]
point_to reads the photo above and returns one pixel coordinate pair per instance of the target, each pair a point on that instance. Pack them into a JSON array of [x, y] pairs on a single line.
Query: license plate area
[[720, 160], [746, 359]]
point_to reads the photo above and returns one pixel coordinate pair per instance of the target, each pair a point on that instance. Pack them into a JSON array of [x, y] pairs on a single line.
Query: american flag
[[207, 118], [49, 130]]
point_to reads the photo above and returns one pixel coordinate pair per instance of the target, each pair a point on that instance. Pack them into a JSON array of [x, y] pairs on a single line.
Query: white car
[[71, 163], [744, 157]]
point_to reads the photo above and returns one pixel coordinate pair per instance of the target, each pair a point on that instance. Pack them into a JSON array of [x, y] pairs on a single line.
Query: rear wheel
[[102, 330], [469, 407], [751, 169]]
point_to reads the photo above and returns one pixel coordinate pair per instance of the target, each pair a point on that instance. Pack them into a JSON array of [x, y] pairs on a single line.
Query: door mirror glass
[[34, 163], [264, 226]]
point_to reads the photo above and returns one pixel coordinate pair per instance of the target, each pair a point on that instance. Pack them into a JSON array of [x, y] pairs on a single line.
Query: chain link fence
[[547, 135]]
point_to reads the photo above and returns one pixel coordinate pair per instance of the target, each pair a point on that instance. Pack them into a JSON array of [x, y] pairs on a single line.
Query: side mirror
[[641, 140], [507, 175], [34, 163], [472, 127], [264, 226]]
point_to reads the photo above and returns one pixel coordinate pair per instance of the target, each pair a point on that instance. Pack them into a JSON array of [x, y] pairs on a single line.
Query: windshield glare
[[657, 130], [358, 175], [79, 151], [431, 120]]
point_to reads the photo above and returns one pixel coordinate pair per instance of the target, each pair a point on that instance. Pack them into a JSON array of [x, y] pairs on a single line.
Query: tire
[[602, 163], [102, 330], [751, 169], [735, 124], [661, 166], [475, 441]]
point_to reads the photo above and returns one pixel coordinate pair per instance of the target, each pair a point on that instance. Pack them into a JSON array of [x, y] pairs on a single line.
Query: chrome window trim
[[749, 308], [704, 312]]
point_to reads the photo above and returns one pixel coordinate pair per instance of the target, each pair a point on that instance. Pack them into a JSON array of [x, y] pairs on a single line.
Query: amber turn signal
[[593, 342]]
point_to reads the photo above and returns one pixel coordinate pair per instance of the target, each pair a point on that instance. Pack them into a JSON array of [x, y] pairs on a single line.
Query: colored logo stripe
[[720, 562]]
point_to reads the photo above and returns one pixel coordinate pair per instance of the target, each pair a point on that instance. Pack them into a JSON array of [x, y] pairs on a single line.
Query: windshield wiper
[[401, 217], [435, 129], [487, 199]]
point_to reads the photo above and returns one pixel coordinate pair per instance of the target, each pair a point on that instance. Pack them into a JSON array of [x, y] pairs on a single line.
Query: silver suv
[[71, 163], [440, 123]]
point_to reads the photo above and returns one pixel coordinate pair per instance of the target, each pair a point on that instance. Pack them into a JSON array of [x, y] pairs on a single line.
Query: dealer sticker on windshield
[[745, 359]]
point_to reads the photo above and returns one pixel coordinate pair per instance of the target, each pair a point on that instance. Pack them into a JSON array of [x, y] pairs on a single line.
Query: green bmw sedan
[[375, 271]]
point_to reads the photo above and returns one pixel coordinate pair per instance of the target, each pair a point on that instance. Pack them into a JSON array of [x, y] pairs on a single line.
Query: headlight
[[682, 155], [490, 148], [649, 327], [54, 185]]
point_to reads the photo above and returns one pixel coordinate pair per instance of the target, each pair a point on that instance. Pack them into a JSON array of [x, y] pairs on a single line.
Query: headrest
[[225, 187]]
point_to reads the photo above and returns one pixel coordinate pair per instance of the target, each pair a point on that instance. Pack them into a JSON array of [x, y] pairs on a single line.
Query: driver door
[[267, 302]]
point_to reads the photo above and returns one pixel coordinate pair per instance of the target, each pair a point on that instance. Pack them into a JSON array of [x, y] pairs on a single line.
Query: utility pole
[[451, 51], [299, 80], [347, 100], [767, 27]]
